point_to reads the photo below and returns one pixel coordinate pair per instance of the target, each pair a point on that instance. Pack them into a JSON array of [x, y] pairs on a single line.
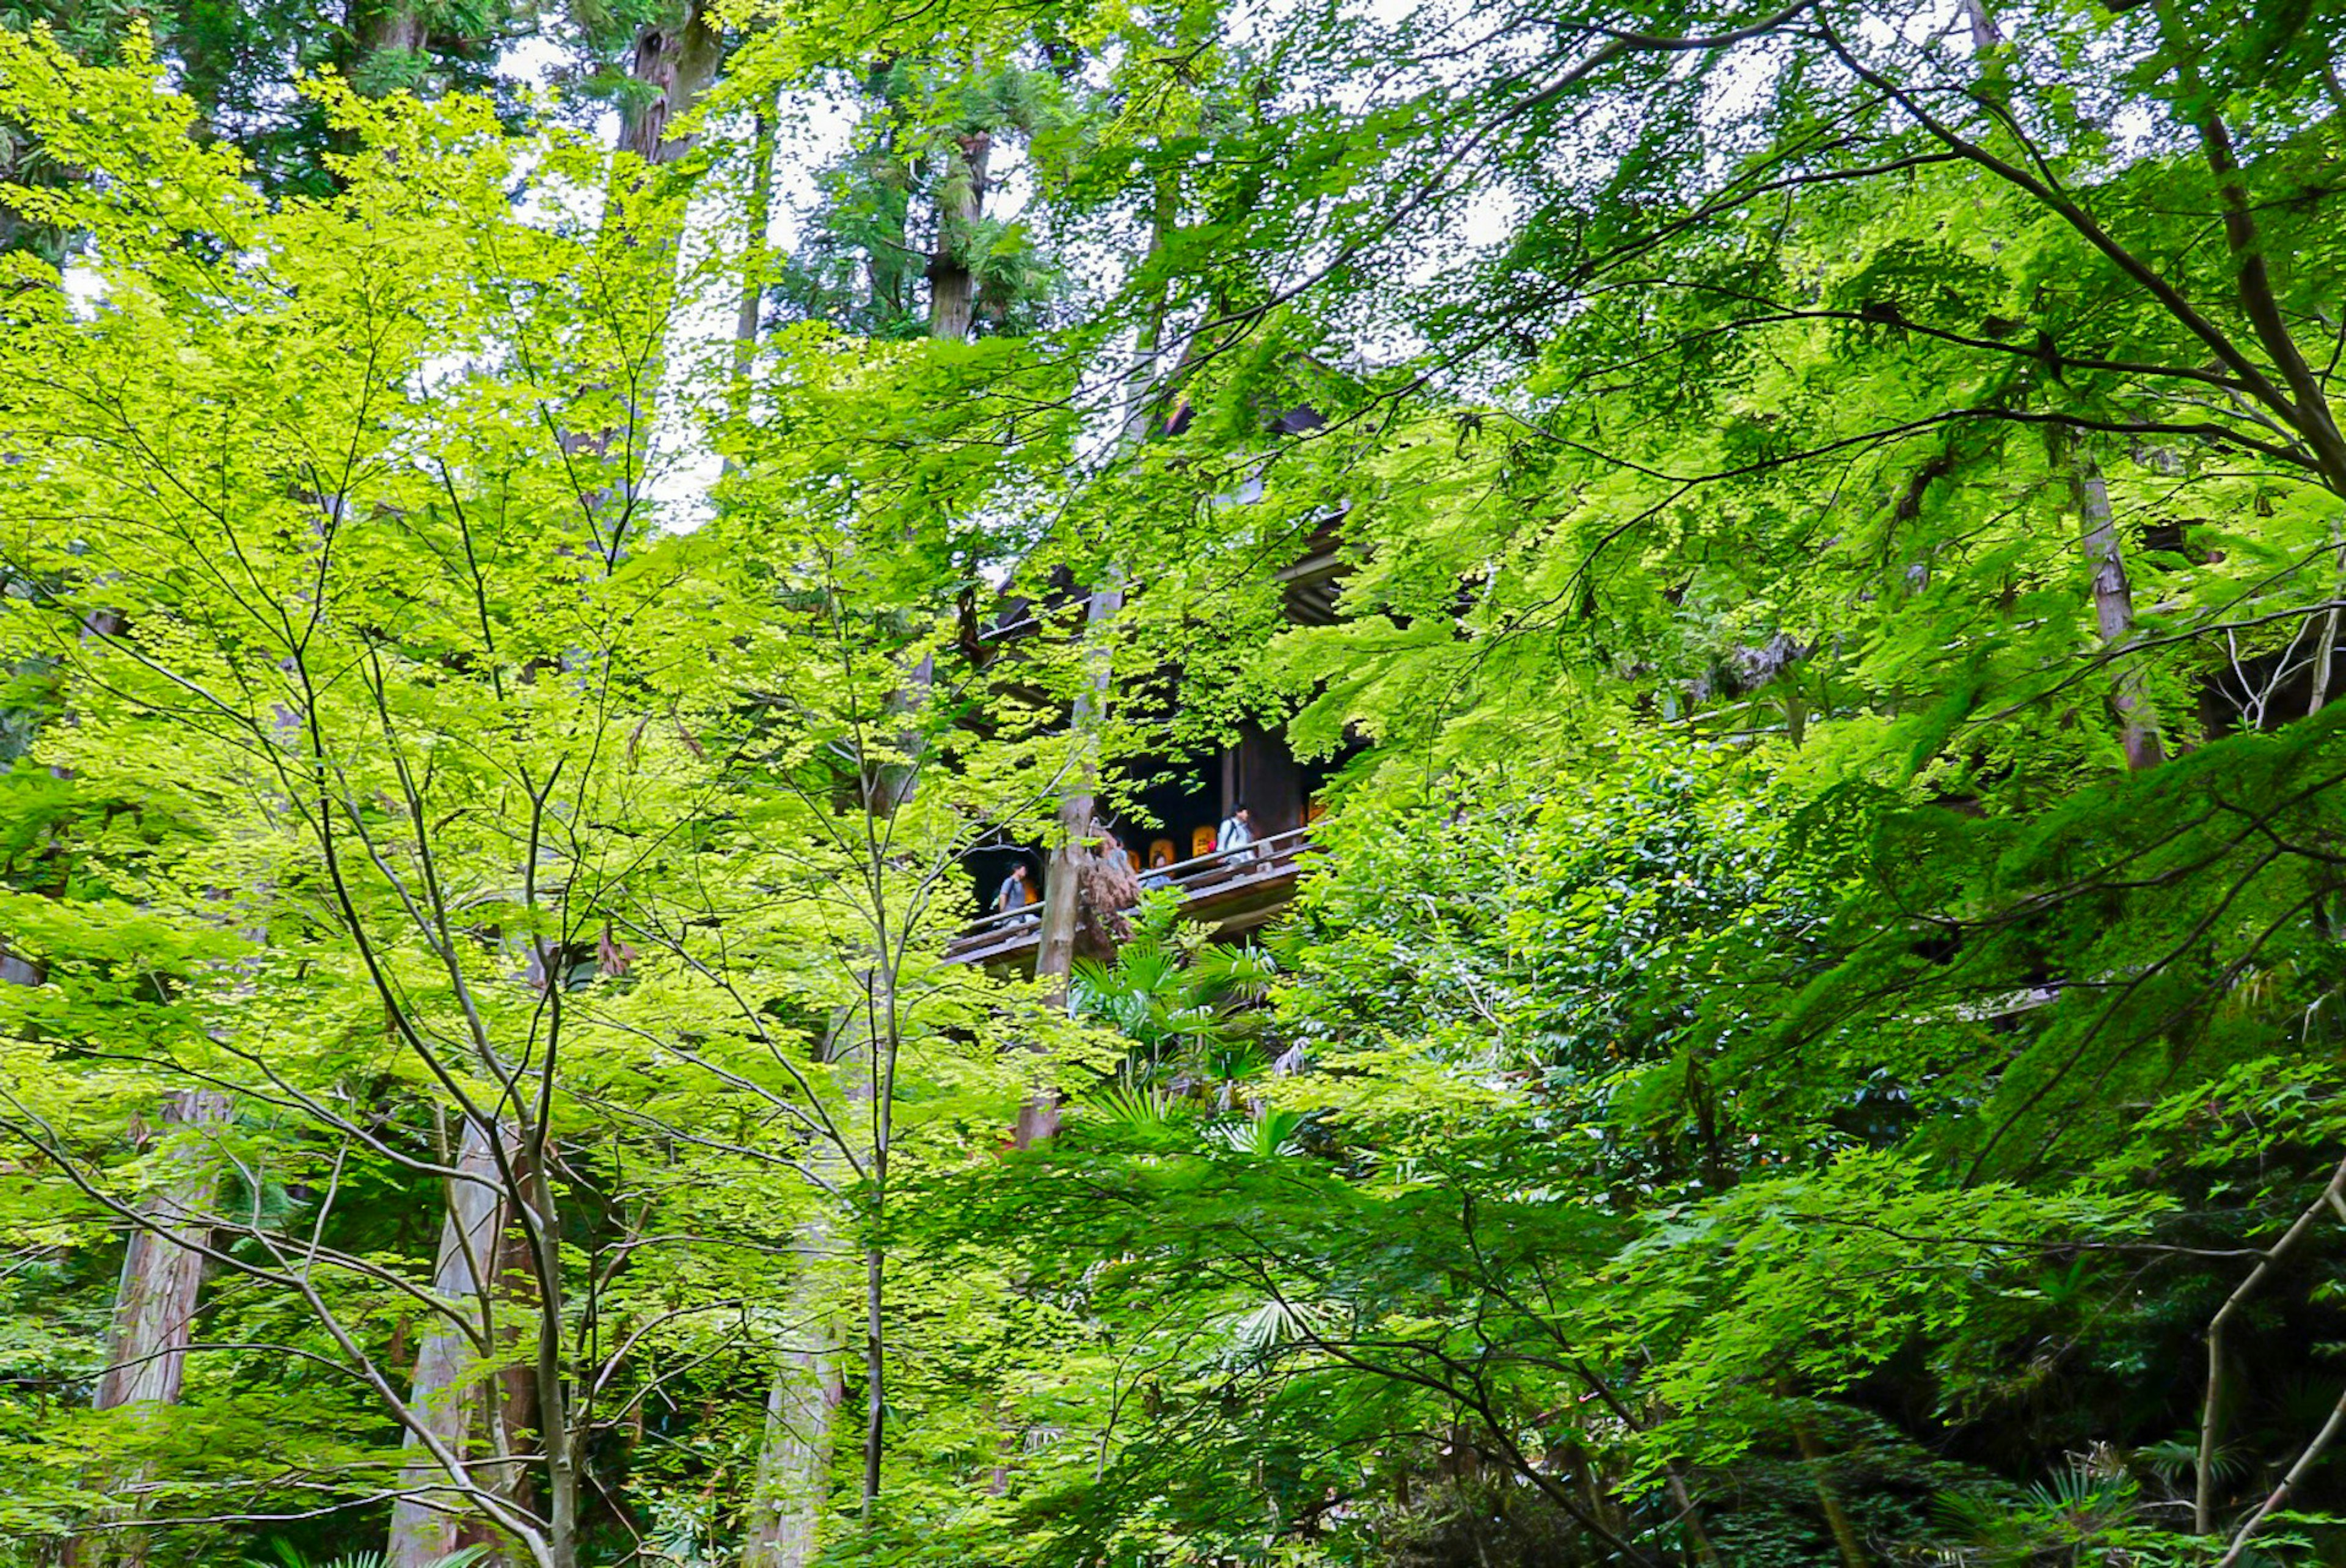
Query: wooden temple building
[[1170, 837]]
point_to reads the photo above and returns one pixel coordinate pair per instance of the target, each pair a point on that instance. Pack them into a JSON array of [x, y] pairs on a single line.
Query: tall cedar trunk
[[677, 61], [448, 1390], [960, 205], [1985, 34], [792, 1484], [875, 1376], [2113, 603], [513, 1394], [875, 1085], [802, 1404], [154, 1303], [673, 62], [749, 305], [565, 1447], [793, 1479], [804, 1399], [161, 1267], [784, 1517], [378, 29], [888, 260], [889, 784]]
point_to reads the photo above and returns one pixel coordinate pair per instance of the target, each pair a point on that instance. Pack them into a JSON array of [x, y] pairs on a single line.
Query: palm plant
[[1188, 1005], [288, 1555]]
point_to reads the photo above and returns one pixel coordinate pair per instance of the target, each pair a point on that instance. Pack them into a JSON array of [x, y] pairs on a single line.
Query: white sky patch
[[684, 467]]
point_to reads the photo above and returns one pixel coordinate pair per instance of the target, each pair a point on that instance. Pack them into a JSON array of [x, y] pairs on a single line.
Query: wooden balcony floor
[[1232, 891]]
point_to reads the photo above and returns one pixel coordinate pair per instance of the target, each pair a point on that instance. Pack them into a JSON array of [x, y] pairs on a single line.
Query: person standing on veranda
[[1236, 837], [1016, 892]]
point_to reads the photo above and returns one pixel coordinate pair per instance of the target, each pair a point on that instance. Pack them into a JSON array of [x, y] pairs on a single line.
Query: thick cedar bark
[[512, 1394], [804, 1400], [875, 1377], [784, 1518], [803, 1403], [793, 1476], [951, 307], [793, 1484], [154, 1303], [961, 206], [1985, 36], [748, 306], [889, 263], [449, 1389], [161, 1268], [464, 1409], [2113, 603], [378, 29], [793, 1479], [565, 1447], [677, 60], [807, 1392]]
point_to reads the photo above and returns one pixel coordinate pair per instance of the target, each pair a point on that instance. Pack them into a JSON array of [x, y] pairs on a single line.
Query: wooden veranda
[[1230, 889]]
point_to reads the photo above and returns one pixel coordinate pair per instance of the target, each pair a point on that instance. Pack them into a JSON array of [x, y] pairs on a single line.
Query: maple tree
[[1806, 1032]]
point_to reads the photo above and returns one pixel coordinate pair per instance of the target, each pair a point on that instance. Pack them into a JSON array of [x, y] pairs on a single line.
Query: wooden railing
[[1225, 876]]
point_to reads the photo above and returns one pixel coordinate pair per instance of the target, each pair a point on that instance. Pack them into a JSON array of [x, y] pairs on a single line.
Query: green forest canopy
[[536, 544]]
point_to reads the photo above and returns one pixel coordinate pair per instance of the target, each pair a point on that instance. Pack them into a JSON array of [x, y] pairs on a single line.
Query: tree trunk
[[448, 1385], [677, 61], [1985, 36], [2113, 603], [749, 306], [377, 31], [802, 1404], [1844, 1534], [1054, 952], [161, 1269], [960, 205], [512, 1402], [875, 1377], [951, 305], [155, 1304], [793, 1479]]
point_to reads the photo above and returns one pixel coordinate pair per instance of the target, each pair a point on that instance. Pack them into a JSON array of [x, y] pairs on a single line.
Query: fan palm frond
[[1133, 1110]]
